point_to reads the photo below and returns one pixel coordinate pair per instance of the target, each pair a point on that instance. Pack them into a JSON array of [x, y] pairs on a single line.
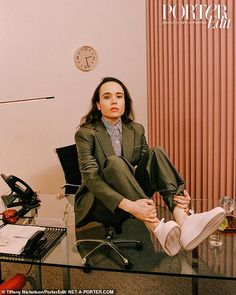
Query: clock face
[[85, 58]]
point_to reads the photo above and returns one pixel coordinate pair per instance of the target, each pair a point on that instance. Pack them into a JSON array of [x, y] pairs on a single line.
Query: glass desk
[[203, 262]]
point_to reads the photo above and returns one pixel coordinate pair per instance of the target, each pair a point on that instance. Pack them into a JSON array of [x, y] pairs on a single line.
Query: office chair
[[68, 158]]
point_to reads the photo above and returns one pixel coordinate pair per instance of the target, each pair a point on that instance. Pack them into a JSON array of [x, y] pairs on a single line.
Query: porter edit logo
[[214, 15]]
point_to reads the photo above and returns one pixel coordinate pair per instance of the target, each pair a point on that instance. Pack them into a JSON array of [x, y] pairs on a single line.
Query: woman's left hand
[[183, 201]]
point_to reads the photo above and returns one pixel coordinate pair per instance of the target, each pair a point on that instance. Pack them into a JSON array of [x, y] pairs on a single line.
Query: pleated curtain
[[191, 96]]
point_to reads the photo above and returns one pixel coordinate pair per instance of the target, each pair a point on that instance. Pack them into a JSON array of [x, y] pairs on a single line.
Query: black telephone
[[21, 195], [34, 243]]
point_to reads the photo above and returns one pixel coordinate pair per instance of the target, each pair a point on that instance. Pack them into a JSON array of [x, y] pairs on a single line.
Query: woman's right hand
[[142, 209]]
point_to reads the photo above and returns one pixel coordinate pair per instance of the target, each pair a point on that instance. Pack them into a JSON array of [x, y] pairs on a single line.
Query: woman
[[120, 174]]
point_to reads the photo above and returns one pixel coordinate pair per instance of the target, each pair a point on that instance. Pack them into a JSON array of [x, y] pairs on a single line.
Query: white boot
[[168, 234], [199, 226]]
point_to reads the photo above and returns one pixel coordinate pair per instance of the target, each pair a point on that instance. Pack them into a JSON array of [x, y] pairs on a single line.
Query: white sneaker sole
[[209, 228], [172, 243]]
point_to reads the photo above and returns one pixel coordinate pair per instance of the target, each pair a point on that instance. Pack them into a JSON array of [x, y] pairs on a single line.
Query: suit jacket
[[94, 147]]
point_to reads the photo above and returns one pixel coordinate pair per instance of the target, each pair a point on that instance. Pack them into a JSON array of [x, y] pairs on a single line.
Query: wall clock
[[85, 58]]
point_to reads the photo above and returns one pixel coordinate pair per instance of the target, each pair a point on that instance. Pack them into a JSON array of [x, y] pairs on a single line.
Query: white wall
[[38, 39]]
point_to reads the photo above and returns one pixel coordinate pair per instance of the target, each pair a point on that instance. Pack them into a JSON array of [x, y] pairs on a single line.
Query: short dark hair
[[94, 114]]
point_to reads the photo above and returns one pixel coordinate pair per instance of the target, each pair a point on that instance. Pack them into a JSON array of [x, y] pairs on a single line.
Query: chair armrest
[[70, 185]]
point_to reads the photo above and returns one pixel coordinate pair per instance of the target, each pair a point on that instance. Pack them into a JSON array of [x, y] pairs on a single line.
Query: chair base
[[112, 244]]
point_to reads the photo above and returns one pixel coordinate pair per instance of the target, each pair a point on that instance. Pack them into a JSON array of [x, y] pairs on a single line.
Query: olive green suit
[[111, 178]]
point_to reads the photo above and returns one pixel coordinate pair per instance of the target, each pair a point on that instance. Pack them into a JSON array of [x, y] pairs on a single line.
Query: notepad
[[13, 238]]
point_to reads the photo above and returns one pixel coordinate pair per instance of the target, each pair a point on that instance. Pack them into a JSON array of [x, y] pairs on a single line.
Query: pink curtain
[[191, 95]]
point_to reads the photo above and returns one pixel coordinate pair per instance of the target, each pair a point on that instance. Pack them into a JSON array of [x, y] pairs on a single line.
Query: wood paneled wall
[[191, 97]]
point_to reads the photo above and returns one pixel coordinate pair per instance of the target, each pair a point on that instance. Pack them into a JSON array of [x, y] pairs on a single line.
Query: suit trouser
[[154, 173]]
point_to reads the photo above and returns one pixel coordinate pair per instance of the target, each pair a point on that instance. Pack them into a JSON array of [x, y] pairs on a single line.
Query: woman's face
[[111, 101]]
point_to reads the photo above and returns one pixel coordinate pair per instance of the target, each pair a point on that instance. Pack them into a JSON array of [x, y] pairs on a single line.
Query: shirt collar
[[110, 126]]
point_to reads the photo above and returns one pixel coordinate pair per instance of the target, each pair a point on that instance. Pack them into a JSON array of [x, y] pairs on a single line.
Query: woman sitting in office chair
[[120, 174]]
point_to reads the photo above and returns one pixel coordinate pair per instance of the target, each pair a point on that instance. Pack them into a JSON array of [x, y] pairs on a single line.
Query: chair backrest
[[68, 158]]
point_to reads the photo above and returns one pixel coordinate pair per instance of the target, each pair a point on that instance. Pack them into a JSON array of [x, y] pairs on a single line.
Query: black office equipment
[[47, 242], [34, 243], [69, 161], [21, 195]]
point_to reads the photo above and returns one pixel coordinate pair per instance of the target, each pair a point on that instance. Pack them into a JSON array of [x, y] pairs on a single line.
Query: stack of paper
[[13, 238]]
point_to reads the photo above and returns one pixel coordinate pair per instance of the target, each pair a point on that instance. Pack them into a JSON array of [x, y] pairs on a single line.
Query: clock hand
[[87, 59]]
